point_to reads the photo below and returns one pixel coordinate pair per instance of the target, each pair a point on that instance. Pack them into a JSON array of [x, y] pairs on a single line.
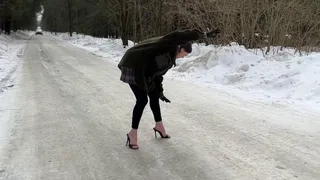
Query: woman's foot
[[160, 128], [133, 139]]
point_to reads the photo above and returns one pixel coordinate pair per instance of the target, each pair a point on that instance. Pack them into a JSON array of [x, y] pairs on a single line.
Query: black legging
[[142, 101]]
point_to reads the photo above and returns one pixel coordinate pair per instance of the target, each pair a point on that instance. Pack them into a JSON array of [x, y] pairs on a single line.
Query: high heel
[[132, 146], [155, 134]]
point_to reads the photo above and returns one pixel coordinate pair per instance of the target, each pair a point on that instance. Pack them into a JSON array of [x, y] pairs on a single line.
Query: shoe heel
[[155, 133], [130, 145], [128, 140]]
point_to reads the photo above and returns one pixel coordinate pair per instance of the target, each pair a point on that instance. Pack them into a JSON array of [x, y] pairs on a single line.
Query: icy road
[[68, 115]]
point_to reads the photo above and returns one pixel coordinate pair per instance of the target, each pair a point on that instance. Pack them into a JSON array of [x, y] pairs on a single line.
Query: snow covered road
[[71, 113]]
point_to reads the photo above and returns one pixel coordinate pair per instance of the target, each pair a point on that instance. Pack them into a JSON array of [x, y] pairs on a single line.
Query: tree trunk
[[124, 18], [135, 22], [160, 14], [124, 39], [7, 25], [140, 21], [70, 16]]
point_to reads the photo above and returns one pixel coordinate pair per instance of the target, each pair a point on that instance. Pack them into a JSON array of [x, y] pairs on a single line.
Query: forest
[[252, 23]]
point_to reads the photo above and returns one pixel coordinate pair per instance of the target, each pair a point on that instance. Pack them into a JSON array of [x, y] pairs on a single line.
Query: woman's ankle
[[133, 132], [159, 123], [159, 126]]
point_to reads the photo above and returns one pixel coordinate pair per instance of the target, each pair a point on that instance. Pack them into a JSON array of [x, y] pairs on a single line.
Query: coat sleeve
[[181, 37], [158, 83]]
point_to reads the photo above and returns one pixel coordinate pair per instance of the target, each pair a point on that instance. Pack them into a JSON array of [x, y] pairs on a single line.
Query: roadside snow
[[282, 77], [111, 49], [11, 48]]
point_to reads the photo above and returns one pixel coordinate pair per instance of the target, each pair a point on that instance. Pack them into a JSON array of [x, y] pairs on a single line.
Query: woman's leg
[[156, 110], [155, 105], [141, 102]]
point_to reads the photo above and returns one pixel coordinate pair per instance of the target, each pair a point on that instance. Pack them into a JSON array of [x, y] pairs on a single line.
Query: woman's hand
[[163, 98]]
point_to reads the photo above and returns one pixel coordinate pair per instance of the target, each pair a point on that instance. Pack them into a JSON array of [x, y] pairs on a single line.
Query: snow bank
[[104, 47], [282, 77], [10, 48]]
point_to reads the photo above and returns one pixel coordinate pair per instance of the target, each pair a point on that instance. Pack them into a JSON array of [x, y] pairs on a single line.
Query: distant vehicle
[[39, 31]]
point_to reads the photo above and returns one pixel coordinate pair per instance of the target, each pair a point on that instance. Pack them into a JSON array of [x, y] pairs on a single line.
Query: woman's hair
[[186, 46]]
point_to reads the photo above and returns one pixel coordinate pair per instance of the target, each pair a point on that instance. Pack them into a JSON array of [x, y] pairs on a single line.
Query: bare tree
[[252, 23]]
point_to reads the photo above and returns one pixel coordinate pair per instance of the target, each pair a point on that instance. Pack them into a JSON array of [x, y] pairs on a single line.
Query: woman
[[143, 67]]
